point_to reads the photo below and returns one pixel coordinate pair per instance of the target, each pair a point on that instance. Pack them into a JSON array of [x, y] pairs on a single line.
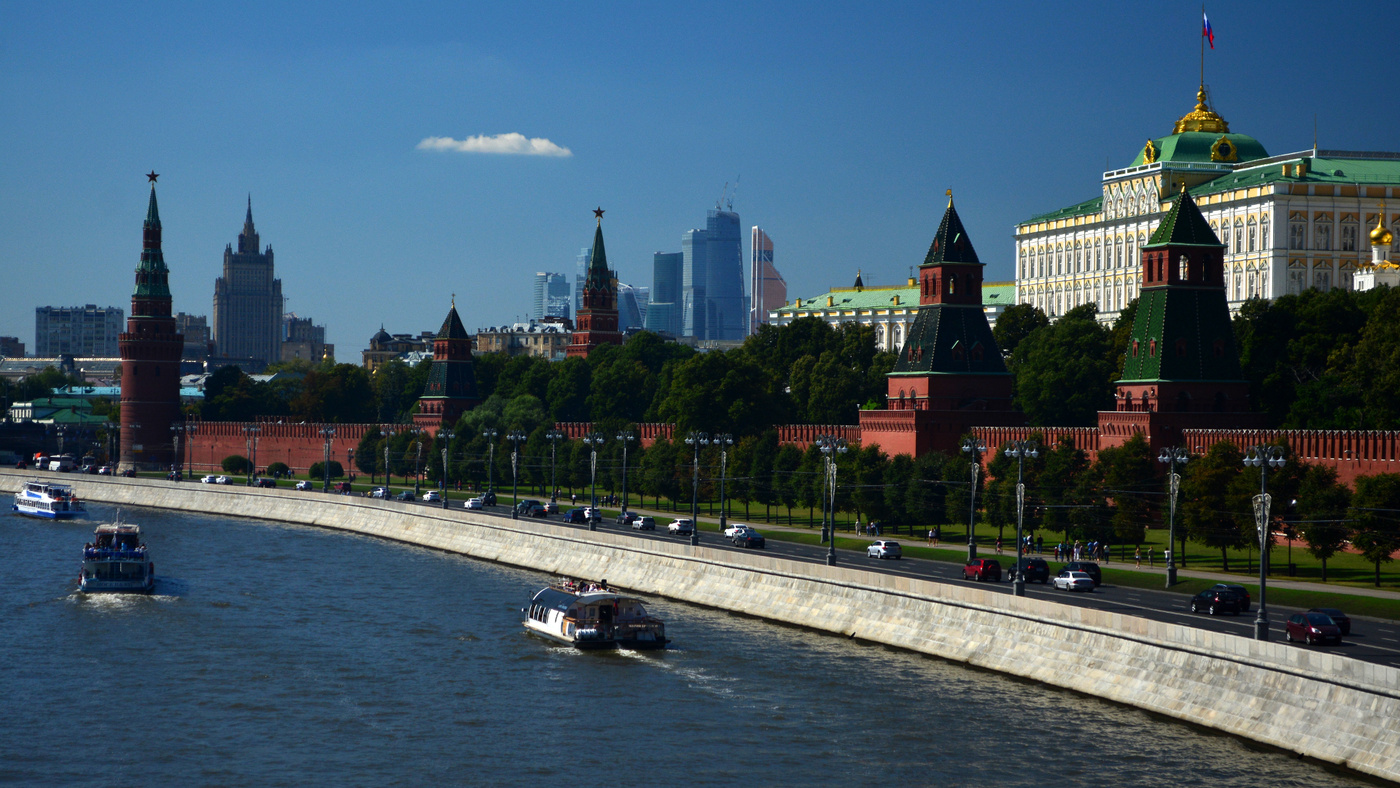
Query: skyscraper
[[79, 331], [767, 290], [581, 263], [248, 302], [631, 306], [551, 296], [712, 279], [663, 308]]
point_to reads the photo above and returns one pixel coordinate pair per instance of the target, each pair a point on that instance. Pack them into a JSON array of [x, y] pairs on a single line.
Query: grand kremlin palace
[[1288, 222]]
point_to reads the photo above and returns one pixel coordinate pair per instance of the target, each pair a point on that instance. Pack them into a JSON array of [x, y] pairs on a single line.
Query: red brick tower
[[451, 387], [150, 349], [596, 322]]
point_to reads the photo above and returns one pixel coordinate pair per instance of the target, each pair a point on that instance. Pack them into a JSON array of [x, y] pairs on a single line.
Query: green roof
[[950, 243], [1082, 209], [998, 293], [1193, 338], [1183, 226], [1195, 146], [599, 277], [1321, 170], [950, 339], [847, 298], [452, 327]]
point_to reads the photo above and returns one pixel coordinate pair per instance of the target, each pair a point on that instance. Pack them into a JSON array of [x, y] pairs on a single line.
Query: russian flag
[[1205, 29]]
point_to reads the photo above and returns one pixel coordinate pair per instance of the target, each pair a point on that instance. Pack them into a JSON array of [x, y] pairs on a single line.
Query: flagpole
[[1203, 48]]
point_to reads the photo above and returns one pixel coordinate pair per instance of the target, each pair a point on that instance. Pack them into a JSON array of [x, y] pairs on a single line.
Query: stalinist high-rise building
[[248, 302]]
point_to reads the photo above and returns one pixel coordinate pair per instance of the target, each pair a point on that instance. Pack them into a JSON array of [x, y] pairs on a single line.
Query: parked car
[[751, 538], [90, 469], [264, 482], [733, 530], [644, 524], [552, 507], [406, 495], [223, 480], [576, 517], [1035, 569], [884, 548], [473, 503], [682, 527], [1089, 568], [1216, 601], [526, 505], [1239, 591], [1339, 618], [343, 487], [626, 518], [129, 473], [1312, 628], [212, 479], [432, 495], [303, 485], [593, 514], [105, 470], [982, 569], [1068, 580], [488, 498], [379, 492]]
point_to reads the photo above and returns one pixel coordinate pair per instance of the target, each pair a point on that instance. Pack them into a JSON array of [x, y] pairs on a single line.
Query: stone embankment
[[1317, 704]]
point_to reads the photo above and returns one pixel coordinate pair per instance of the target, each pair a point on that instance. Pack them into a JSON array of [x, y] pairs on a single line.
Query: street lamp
[[388, 433], [177, 466], [830, 446], [976, 448], [447, 436], [1020, 450], [627, 437], [251, 433], [490, 436], [328, 434], [515, 437], [1172, 457], [1263, 458], [418, 461], [190, 429], [594, 440], [696, 439], [553, 436], [723, 440]]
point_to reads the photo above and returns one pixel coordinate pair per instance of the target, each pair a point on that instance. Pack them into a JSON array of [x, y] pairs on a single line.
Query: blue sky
[[846, 123]]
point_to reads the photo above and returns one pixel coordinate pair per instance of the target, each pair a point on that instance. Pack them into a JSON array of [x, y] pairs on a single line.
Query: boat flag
[[1206, 32]]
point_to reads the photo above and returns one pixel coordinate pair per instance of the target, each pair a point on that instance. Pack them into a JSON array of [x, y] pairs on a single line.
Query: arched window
[[1251, 235], [1182, 266], [1098, 256]]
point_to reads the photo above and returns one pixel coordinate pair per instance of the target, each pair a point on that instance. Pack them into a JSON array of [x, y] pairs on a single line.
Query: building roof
[[848, 298], [1079, 209], [452, 326], [1201, 146], [1183, 226], [950, 339], [1182, 334], [950, 243], [599, 277]]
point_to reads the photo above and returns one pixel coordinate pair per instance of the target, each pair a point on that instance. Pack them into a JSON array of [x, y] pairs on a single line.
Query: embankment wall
[[1314, 703]]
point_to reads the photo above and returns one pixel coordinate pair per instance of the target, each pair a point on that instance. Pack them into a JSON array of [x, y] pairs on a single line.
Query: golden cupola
[[1379, 235], [1201, 118]]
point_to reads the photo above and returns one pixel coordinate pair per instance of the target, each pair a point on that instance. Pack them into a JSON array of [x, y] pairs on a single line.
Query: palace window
[[1239, 237], [1322, 280], [1297, 279], [1251, 235], [1264, 235], [1182, 266], [1297, 235], [1349, 237], [1323, 235]]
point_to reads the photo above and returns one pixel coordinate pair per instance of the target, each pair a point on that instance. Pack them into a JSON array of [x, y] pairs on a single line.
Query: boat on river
[[117, 562], [593, 616], [49, 501]]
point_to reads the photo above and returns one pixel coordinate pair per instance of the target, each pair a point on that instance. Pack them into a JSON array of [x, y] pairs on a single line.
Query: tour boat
[[50, 501], [592, 616], [117, 562]]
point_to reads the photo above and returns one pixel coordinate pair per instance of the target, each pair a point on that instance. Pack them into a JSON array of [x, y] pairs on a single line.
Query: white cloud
[[511, 144]]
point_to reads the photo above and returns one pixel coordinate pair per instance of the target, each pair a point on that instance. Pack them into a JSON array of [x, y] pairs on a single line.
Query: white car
[[1068, 580], [379, 492], [884, 549], [209, 480], [735, 529], [305, 484], [223, 480], [681, 527], [432, 495], [474, 503], [105, 470]]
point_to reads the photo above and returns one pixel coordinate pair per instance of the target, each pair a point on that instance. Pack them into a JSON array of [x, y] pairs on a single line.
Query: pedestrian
[[1040, 545], [998, 545], [937, 534], [1137, 557], [930, 536], [857, 526]]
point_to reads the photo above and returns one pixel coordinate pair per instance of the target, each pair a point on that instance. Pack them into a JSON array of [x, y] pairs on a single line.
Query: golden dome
[[1379, 235], [1201, 118]]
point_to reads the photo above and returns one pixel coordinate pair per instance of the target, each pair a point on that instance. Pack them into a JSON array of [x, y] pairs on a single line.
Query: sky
[[400, 153]]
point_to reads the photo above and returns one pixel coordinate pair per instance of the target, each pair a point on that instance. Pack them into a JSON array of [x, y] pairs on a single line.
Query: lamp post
[[135, 427], [328, 434], [976, 448], [388, 433], [696, 440], [594, 440], [417, 462], [179, 467], [1020, 450], [830, 447], [190, 429], [251, 433], [447, 436], [626, 437], [350, 465], [515, 437], [490, 436], [723, 440], [553, 436], [1263, 457], [1172, 457]]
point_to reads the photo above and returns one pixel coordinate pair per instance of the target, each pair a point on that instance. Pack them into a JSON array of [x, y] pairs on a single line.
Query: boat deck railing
[[109, 554]]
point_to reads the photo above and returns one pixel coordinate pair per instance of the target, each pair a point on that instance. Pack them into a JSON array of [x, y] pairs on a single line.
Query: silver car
[[884, 548], [1069, 580]]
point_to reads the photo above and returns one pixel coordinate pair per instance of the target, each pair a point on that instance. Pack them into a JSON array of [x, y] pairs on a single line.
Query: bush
[[236, 463], [278, 470], [318, 470]]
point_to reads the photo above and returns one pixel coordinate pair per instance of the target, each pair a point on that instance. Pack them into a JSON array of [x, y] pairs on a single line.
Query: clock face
[[1225, 150]]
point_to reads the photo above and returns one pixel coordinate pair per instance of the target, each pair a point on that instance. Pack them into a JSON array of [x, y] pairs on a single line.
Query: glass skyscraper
[[712, 280], [552, 296]]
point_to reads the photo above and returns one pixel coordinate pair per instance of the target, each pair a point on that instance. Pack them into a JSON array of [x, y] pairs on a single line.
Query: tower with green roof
[[596, 321], [451, 387], [150, 350]]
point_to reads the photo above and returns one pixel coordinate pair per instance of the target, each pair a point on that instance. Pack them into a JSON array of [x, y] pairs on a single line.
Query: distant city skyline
[[402, 154]]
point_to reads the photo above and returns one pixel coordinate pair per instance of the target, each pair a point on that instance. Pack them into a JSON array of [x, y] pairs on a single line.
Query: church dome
[[380, 338], [1201, 136], [1379, 235], [1202, 118]]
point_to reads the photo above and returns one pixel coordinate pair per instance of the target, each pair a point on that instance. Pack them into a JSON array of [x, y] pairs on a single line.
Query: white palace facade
[[1288, 222]]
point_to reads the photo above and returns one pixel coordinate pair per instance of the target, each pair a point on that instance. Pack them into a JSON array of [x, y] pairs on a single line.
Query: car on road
[[210, 479], [644, 523], [1068, 580], [1239, 591], [1342, 620], [1216, 601], [379, 492], [552, 507], [884, 548], [527, 505], [105, 470], [626, 518], [1312, 628], [1089, 568], [682, 527], [406, 495], [576, 517], [473, 503], [223, 480], [1035, 569], [733, 530], [488, 498], [305, 484], [343, 487], [432, 495], [749, 538], [593, 514], [129, 473], [265, 483], [982, 569], [535, 510]]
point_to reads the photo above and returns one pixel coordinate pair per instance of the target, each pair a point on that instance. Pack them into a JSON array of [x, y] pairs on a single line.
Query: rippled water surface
[[282, 655]]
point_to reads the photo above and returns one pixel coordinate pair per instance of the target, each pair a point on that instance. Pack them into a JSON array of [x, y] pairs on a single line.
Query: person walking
[[998, 545], [1137, 557], [930, 536]]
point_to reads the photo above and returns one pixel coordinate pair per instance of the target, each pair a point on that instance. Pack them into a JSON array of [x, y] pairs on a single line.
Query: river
[[274, 654]]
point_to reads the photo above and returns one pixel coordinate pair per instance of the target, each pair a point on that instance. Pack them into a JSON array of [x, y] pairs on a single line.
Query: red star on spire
[[152, 175], [598, 212]]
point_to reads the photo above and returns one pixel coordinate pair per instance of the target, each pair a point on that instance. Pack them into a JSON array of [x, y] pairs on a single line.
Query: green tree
[[278, 470], [1322, 505], [1063, 371], [318, 470], [236, 463], [567, 393], [1130, 479], [1374, 509], [1015, 324], [367, 452], [342, 395], [786, 476], [1211, 500]]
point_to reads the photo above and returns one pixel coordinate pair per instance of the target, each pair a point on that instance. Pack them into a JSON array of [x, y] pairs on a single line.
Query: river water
[[284, 655]]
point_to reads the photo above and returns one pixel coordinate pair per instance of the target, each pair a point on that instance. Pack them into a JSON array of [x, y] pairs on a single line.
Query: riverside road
[[1371, 640]]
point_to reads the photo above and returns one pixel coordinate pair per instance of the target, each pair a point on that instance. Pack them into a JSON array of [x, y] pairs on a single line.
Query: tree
[[342, 395], [1015, 324], [762, 462], [786, 477], [278, 469], [1211, 500], [1128, 478], [318, 470], [236, 463], [1063, 372], [1322, 505], [367, 452], [1374, 509]]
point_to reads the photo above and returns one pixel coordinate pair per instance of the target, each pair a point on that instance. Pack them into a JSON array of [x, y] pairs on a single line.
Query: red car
[[1312, 628], [982, 569]]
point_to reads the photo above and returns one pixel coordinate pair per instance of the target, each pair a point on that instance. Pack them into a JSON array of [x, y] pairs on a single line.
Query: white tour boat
[[50, 501], [592, 616], [117, 562]]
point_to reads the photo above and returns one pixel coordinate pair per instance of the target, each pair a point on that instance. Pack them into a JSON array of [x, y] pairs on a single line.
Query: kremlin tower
[[451, 387], [596, 321]]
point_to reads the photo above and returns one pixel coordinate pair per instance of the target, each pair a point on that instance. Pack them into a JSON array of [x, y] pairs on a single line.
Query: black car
[[1036, 570], [575, 516], [1089, 568], [264, 482], [749, 539], [1237, 590], [488, 498], [1216, 601], [1338, 617], [406, 495], [529, 507]]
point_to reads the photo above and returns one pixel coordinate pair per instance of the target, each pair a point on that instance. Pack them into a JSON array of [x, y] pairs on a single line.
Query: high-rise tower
[[767, 290], [248, 302], [596, 322], [150, 349]]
